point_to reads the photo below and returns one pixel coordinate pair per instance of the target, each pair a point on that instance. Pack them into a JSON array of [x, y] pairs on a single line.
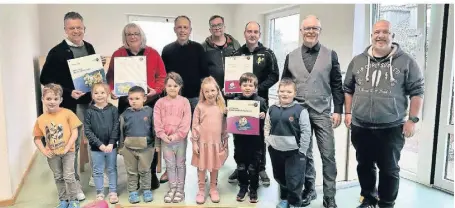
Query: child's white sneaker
[[91, 182], [80, 196]]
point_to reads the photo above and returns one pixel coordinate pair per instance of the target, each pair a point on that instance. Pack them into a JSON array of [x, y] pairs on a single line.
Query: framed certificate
[[129, 72], [235, 66], [86, 71], [243, 117]]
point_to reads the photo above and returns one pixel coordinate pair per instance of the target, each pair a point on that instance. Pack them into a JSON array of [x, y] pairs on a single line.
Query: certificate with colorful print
[[234, 67], [243, 117], [86, 71], [129, 72]]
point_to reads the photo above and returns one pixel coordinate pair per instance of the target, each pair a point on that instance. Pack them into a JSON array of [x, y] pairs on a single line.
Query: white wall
[[245, 13], [19, 48], [105, 22]]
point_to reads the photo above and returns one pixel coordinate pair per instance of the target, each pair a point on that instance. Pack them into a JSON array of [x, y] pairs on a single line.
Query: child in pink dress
[[209, 137]]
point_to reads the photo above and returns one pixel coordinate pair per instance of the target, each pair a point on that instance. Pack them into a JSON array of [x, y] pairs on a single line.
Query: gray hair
[[133, 25], [72, 15]]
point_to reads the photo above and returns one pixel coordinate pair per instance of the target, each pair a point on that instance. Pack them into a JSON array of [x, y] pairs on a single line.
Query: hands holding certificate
[[76, 94]]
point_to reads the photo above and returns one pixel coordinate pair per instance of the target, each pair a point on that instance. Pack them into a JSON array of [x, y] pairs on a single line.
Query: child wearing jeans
[[59, 126], [248, 148], [101, 124], [209, 138], [172, 119], [288, 133], [136, 145]]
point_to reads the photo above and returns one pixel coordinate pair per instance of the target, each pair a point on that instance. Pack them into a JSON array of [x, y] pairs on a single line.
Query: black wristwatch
[[414, 119]]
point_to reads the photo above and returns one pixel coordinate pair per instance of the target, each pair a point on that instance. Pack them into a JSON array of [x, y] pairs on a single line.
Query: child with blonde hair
[[101, 125], [172, 119], [209, 137]]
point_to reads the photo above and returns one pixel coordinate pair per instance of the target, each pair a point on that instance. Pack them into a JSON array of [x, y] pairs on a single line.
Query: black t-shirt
[[141, 52]]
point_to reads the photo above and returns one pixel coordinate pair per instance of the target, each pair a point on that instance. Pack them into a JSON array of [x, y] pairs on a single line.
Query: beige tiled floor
[[39, 189]]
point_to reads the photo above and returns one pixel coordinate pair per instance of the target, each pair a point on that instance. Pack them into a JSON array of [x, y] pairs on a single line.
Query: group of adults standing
[[376, 87]]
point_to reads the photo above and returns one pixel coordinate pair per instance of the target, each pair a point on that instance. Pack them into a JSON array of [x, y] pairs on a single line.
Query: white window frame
[[288, 11], [444, 127]]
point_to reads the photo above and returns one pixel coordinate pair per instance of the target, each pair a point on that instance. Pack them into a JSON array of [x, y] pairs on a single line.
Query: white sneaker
[[91, 182], [80, 196]]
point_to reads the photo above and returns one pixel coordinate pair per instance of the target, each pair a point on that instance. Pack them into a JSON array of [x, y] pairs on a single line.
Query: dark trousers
[[289, 173], [247, 155], [321, 125], [381, 147]]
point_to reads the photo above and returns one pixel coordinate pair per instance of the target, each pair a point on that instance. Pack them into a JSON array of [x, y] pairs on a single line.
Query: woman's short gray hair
[[124, 35]]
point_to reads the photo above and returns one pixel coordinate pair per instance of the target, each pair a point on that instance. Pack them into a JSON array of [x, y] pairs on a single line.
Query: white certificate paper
[[86, 71], [235, 66], [129, 72]]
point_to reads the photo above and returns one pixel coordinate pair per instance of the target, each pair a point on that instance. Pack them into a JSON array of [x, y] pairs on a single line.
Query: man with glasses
[[56, 70], [316, 71], [377, 87], [217, 46]]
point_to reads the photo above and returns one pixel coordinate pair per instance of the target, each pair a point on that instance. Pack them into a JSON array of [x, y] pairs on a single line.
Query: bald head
[[310, 21], [382, 24], [382, 37], [253, 24], [252, 33]]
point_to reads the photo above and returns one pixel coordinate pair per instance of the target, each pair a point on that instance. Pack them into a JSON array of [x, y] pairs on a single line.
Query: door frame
[[444, 126]]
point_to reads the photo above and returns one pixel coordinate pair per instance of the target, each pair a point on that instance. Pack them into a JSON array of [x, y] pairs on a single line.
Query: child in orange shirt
[[59, 126]]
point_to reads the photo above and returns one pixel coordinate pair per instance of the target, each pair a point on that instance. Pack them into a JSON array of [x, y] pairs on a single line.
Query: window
[[158, 30], [283, 37], [410, 23], [406, 24]]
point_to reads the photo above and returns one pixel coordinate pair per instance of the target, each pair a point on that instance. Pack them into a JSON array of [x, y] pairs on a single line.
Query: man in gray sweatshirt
[[378, 85]]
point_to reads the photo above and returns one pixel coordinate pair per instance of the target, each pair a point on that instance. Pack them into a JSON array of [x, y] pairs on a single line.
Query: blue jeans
[[100, 160]]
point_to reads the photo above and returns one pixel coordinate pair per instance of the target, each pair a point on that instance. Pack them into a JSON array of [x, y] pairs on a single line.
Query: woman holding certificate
[[133, 64]]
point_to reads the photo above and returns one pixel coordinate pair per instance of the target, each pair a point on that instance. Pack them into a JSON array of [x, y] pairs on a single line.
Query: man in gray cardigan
[[317, 74]]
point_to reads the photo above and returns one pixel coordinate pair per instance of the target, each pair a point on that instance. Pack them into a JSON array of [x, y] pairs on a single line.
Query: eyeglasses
[[308, 29], [133, 34], [378, 32], [76, 28], [217, 26]]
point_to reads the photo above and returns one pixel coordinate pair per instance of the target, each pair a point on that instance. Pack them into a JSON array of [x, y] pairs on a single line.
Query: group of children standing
[[141, 130]]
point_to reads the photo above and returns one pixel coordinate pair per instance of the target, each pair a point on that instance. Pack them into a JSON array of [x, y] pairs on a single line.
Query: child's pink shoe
[[214, 195], [200, 197]]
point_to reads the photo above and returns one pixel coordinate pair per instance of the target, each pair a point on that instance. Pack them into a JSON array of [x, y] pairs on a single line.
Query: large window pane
[[284, 37]]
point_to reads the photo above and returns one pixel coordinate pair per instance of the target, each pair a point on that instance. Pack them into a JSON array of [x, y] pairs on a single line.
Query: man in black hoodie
[[217, 46], [56, 70], [378, 84], [265, 68]]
